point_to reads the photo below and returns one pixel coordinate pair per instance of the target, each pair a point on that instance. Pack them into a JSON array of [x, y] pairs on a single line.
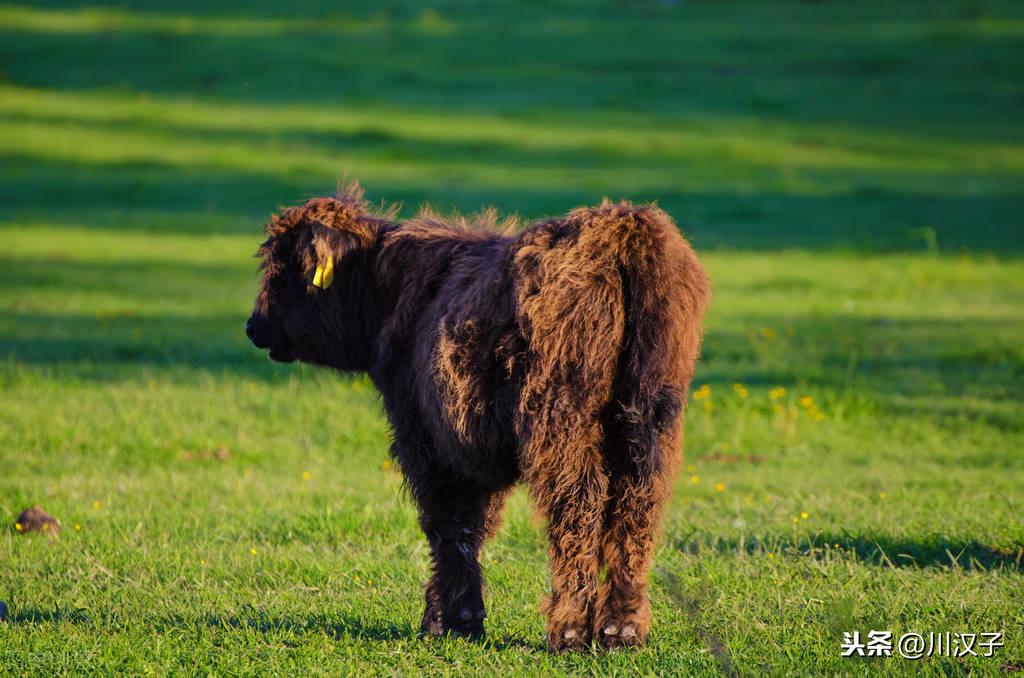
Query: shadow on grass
[[34, 615], [780, 62], [148, 196], [87, 346], [203, 200], [335, 626], [693, 603], [912, 359], [881, 551], [955, 415]]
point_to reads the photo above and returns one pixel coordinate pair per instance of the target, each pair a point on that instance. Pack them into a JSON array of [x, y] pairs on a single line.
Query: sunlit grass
[[111, 20], [850, 174]]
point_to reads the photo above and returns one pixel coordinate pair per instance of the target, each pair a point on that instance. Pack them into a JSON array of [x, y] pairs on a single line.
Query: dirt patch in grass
[[35, 519]]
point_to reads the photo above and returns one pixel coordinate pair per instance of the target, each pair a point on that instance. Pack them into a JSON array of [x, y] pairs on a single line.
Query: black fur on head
[[334, 325]]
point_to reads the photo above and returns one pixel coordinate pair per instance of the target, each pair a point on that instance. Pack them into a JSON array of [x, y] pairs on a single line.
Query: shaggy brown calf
[[560, 356]]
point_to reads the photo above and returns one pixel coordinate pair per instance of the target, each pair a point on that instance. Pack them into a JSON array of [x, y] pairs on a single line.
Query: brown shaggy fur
[[560, 356]]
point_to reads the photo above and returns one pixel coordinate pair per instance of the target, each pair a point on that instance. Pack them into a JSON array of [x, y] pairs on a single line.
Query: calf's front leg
[[456, 519]]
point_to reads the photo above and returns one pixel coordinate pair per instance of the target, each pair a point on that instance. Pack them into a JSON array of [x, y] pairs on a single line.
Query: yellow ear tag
[[324, 275], [328, 275]]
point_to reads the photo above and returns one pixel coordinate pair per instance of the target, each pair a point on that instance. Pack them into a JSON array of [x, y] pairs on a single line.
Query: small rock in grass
[[35, 519]]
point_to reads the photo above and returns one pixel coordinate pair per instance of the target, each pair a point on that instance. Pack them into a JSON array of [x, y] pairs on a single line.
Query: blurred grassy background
[[852, 173]]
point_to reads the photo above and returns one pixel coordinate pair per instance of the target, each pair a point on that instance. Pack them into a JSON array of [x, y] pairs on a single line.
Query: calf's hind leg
[[570, 486], [643, 456], [623, 611]]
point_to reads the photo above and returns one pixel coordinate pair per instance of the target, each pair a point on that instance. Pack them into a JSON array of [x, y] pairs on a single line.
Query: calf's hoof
[[568, 638], [466, 623], [613, 635], [433, 622]]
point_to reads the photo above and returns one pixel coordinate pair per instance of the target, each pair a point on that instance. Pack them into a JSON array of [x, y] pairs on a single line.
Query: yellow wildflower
[[741, 390], [387, 465], [720, 487], [804, 515], [96, 504], [78, 528], [306, 475], [807, 401], [19, 527], [777, 393], [694, 479], [702, 393], [252, 551]]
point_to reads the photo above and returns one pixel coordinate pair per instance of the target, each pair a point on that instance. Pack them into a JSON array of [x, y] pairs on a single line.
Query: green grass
[[851, 173]]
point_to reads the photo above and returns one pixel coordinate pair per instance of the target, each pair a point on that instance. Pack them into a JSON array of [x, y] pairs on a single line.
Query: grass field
[[852, 174]]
